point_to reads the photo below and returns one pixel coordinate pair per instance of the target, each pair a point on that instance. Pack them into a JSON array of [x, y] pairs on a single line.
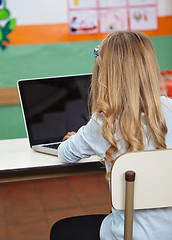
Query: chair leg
[[129, 205]]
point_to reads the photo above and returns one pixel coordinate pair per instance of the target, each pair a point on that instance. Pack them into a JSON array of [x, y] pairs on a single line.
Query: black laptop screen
[[54, 106]]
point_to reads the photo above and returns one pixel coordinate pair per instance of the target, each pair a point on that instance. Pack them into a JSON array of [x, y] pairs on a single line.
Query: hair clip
[[96, 52]]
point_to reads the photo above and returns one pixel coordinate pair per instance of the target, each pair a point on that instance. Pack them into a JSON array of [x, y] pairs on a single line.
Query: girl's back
[[148, 224], [128, 114]]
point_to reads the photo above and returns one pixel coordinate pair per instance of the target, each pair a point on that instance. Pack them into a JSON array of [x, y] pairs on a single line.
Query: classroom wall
[[26, 58], [55, 11]]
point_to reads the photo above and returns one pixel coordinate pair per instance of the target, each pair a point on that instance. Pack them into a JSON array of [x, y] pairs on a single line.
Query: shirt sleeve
[[86, 142]]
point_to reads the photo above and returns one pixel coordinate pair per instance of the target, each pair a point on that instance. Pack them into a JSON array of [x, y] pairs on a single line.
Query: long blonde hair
[[126, 83]]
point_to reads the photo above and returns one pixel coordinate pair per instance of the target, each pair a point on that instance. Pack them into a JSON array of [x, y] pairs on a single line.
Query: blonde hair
[[125, 83]]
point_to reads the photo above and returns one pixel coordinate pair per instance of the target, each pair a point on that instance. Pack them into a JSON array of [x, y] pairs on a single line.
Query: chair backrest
[[153, 182]]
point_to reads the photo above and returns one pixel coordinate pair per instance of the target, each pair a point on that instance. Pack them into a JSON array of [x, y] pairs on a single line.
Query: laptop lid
[[54, 106]]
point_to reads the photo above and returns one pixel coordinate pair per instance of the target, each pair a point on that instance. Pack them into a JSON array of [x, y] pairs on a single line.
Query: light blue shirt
[[148, 224]]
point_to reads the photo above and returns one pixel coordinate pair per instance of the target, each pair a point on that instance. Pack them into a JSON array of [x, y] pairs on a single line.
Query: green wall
[[163, 48], [43, 60], [11, 122]]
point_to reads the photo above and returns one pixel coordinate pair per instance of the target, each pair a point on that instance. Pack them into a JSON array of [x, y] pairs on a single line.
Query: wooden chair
[[141, 180]]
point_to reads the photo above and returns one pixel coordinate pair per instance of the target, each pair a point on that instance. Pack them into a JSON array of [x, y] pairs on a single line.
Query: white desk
[[19, 162]]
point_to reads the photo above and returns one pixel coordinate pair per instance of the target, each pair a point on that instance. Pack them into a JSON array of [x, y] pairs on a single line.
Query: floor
[[29, 208]]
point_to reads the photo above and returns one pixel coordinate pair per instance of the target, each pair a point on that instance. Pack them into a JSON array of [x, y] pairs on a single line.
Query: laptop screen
[[54, 106]]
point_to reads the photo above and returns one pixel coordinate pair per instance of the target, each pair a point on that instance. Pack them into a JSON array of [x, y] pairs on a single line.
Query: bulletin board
[[103, 16]]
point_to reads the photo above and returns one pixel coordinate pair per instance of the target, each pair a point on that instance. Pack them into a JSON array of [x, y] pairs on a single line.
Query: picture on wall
[[141, 2], [104, 16], [143, 18], [83, 16], [75, 4], [114, 19], [112, 3], [83, 21]]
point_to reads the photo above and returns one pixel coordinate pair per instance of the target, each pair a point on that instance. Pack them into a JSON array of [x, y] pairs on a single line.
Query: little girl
[[128, 114]]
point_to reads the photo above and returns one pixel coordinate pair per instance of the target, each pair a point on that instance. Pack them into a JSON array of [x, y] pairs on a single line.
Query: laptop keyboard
[[54, 146]]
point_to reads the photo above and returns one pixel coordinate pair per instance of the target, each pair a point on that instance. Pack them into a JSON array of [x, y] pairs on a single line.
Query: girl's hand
[[68, 135]]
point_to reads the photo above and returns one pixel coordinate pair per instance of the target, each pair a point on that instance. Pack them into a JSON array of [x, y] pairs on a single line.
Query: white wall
[[56, 11], [164, 7], [38, 11]]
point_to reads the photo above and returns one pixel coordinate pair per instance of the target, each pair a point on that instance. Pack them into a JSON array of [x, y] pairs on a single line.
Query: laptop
[[52, 107]]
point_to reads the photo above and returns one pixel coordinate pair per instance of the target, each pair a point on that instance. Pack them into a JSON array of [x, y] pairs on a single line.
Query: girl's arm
[[86, 142]]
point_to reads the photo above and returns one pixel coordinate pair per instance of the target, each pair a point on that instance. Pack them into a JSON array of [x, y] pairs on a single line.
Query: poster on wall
[[83, 16], [141, 2], [78, 4], [104, 16], [114, 19], [143, 18], [112, 3], [83, 21]]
